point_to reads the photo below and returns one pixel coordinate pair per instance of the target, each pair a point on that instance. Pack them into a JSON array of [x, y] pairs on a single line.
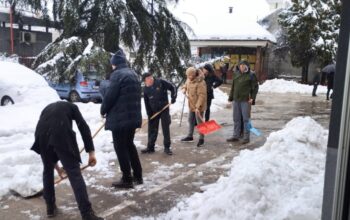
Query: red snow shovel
[[206, 127]]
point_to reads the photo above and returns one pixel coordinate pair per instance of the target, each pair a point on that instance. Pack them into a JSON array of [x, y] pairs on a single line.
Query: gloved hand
[[173, 100]]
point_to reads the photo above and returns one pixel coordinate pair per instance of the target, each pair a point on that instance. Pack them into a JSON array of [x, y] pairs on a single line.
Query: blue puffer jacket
[[122, 102]]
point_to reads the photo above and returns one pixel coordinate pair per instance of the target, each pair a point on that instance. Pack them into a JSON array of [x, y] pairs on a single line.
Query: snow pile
[[284, 86], [283, 179], [24, 85]]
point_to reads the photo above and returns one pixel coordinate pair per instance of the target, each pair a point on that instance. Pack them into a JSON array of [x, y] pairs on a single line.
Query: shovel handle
[[153, 116], [95, 134], [65, 177]]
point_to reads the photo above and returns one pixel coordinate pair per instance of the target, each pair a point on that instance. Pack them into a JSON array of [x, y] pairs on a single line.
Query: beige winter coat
[[196, 90]]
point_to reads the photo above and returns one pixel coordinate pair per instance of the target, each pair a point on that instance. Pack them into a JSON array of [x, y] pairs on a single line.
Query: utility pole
[[11, 28]]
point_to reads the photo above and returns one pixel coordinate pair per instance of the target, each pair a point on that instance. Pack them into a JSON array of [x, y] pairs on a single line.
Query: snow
[[284, 86], [24, 85], [283, 179], [212, 21], [87, 49]]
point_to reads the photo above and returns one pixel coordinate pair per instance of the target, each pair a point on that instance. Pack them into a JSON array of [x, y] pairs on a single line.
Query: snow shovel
[[96, 132], [182, 112], [206, 127], [153, 116], [252, 129], [250, 126], [40, 192]]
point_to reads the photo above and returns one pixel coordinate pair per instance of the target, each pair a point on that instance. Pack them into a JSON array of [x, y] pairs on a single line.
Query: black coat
[[122, 102], [212, 82], [54, 129], [156, 96]]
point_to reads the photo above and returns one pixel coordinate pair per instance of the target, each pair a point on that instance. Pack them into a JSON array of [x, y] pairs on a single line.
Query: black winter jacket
[[54, 129], [156, 96], [122, 101], [212, 82]]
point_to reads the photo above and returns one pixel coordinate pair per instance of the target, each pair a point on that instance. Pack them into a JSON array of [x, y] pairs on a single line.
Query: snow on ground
[[21, 168], [284, 86], [283, 179]]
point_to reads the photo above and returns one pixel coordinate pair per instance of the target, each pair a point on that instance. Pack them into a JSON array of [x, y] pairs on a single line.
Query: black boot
[[91, 216], [168, 151], [200, 143], [123, 183], [232, 139], [51, 210], [147, 151], [137, 180], [187, 139]]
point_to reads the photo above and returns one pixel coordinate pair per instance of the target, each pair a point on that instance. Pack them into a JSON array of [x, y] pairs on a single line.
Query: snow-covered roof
[[239, 30], [211, 20]]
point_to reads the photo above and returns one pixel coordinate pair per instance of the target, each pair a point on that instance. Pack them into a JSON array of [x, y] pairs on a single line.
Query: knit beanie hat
[[118, 58], [209, 67]]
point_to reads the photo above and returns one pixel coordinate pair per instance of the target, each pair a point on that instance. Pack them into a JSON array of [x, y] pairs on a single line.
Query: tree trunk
[[304, 73]]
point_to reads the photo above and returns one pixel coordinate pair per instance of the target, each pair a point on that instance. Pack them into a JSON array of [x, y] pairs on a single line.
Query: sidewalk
[[167, 179]]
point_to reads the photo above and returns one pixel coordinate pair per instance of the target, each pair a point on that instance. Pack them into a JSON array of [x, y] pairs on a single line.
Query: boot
[[200, 143], [147, 151], [245, 141], [123, 184], [187, 139], [168, 151], [51, 210], [232, 139], [91, 216], [137, 180]]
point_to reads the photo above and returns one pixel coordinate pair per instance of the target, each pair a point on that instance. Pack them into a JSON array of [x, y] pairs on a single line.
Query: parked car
[[82, 87], [19, 84]]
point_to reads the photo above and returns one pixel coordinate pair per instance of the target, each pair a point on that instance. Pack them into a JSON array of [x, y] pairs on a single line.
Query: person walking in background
[[155, 96], [55, 140], [316, 80], [243, 91], [212, 82], [196, 90], [224, 69], [122, 108], [330, 82]]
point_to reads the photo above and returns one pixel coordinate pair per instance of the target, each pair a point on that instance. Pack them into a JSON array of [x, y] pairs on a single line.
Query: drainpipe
[[11, 29]]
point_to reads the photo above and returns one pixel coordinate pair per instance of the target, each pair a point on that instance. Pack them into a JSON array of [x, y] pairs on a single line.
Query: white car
[[19, 84]]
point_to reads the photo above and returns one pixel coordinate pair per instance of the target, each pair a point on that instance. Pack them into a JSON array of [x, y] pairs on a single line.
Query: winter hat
[[209, 67], [191, 71], [246, 63], [145, 75], [118, 58]]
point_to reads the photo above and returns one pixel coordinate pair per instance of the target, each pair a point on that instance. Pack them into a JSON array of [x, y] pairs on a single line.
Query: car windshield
[[92, 76]]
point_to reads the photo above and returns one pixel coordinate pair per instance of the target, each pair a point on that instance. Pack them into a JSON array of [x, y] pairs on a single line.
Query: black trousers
[[207, 112], [153, 126], [315, 88], [49, 157], [128, 157]]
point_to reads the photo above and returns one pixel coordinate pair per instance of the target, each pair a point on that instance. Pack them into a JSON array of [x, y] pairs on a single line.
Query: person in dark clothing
[[316, 80], [212, 82], [122, 107], [330, 80], [155, 96], [224, 70], [55, 140]]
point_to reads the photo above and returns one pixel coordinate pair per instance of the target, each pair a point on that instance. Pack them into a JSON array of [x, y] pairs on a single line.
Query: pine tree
[[146, 27], [311, 28]]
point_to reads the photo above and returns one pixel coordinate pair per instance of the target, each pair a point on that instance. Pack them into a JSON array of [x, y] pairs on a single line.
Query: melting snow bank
[[284, 86], [283, 179]]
